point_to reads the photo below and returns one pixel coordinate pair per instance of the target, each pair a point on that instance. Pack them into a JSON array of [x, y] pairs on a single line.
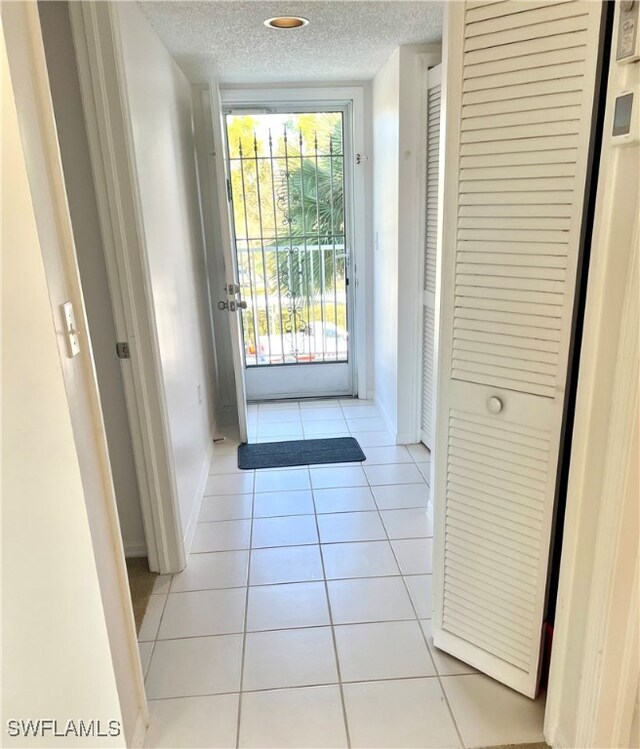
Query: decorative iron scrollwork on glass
[[288, 211]]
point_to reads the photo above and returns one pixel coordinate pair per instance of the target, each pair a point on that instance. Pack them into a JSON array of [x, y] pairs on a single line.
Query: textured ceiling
[[344, 40]]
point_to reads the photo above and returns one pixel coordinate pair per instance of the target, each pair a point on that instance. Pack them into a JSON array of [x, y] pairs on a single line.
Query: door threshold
[[301, 398]]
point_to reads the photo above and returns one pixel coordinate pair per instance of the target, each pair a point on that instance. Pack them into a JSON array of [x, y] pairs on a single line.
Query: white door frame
[[230, 262], [225, 386], [36, 119], [327, 96], [414, 62], [100, 68], [593, 682]]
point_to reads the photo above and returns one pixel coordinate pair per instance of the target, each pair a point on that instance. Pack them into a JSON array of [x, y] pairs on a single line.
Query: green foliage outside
[[314, 315], [293, 206]]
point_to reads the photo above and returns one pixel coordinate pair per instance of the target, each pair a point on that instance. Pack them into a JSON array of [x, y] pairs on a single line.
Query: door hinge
[[123, 350], [73, 338], [229, 190]]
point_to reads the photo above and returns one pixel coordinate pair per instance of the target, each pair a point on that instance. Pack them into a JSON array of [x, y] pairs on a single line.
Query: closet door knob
[[494, 405]]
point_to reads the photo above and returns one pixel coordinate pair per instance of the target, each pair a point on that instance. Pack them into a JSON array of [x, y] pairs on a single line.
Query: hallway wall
[[397, 254], [159, 103], [386, 149], [57, 661], [74, 148]]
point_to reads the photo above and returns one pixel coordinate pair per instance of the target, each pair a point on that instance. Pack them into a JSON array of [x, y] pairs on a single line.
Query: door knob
[[232, 305], [494, 405]]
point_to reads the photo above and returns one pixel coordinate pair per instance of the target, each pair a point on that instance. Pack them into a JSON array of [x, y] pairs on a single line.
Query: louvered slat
[[427, 370], [477, 526], [494, 35], [527, 47], [433, 96], [433, 143]]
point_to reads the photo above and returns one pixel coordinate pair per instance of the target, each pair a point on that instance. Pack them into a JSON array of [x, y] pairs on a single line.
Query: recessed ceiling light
[[286, 22]]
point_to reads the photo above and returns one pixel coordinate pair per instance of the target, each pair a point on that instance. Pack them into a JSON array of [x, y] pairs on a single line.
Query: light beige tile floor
[[303, 616]]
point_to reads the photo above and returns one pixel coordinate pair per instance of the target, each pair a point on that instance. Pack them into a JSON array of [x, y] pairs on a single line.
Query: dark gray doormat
[[299, 453]]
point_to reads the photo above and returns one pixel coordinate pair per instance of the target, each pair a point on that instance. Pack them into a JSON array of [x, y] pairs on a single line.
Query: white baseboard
[[192, 523], [557, 740], [135, 550], [386, 418], [406, 439]]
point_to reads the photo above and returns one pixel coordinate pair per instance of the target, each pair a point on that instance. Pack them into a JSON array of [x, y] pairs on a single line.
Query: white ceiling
[[344, 40]]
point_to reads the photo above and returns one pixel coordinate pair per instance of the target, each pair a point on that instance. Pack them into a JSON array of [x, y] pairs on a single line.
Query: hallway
[[328, 644]]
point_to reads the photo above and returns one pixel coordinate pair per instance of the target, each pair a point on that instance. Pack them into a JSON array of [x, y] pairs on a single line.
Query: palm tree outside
[[287, 175]]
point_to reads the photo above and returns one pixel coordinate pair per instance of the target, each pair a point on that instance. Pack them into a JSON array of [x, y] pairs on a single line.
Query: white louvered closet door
[[518, 95], [433, 82]]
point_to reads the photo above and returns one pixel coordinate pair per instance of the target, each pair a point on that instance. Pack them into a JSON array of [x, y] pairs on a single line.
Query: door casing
[[99, 57]]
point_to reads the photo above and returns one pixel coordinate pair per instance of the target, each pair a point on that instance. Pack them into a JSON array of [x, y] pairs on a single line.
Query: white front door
[[288, 190], [231, 270]]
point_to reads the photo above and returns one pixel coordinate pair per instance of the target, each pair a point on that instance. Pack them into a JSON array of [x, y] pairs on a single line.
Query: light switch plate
[[73, 340], [625, 128], [628, 41]]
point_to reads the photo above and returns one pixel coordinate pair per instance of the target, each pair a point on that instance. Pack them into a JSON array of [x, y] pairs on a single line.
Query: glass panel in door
[[287, 186]]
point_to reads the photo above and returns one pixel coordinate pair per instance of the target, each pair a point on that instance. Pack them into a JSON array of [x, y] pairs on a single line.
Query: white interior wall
[[386, 150], [56, 656], [367, 278], [397, 256], [159, 101], [74, 148]]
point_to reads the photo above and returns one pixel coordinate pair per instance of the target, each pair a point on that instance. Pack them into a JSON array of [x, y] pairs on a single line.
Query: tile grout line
[[263, 690], [413, 605], [326, 543], [297, 627], [146, 670], [308, 514], [415, 610], [333, 631], [155, 638], [246, 614], [296, 582], [320, 546]]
